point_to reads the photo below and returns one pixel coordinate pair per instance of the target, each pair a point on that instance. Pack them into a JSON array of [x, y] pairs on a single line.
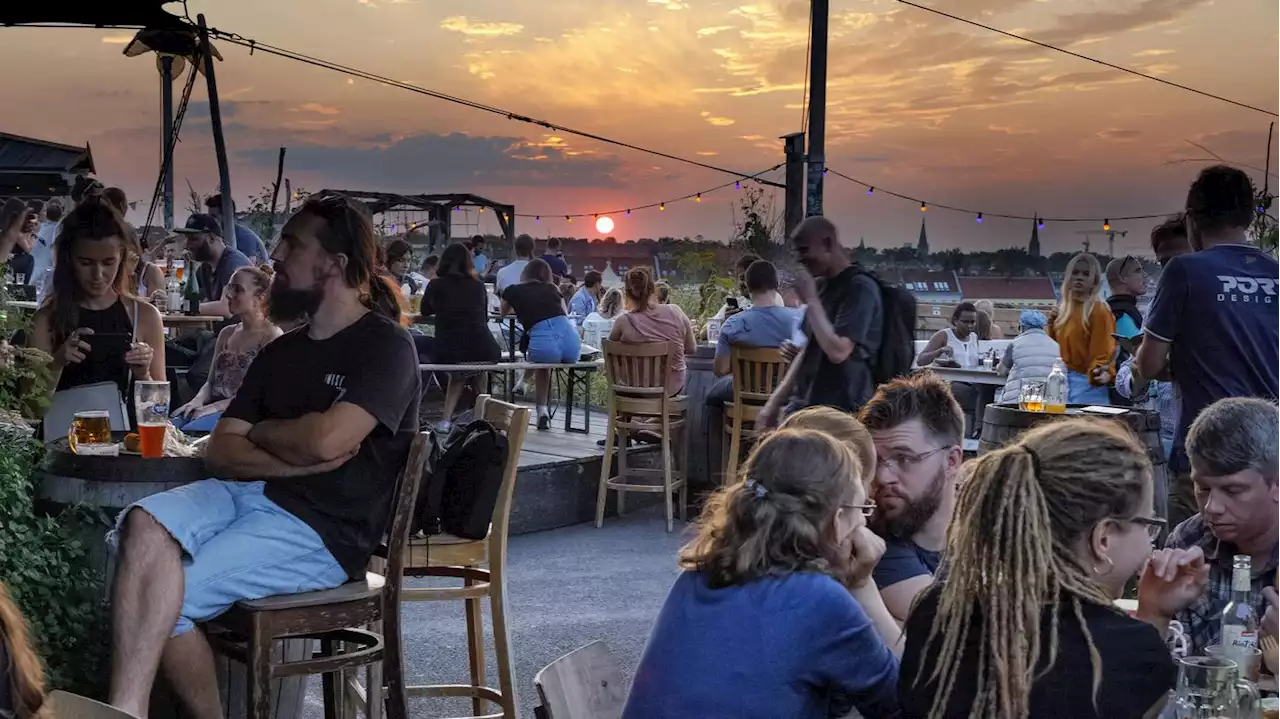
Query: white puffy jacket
[[1032, 353]]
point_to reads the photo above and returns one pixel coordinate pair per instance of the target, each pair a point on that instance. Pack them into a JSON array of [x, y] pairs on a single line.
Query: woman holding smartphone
[[95, 330]]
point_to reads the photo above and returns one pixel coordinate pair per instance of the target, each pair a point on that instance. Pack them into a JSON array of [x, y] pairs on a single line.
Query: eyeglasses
[[866, 509], [1154, 525], [903, 462]]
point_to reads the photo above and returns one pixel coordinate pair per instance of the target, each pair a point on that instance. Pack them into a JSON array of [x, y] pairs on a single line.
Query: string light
[[537, 218], [737, 185], [979, 218], [824, 172], [482, 210], [662, 206], [628, 213], [570, 219], [1040, 221], [698, 198], [1106, 225]]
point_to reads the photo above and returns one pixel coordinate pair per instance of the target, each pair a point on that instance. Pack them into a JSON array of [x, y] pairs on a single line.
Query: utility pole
[[166, 129], [228, 218], [817, 104], [793, 211]]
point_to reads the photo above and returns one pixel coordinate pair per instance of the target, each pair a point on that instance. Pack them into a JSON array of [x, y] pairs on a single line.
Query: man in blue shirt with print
[[1213, 326]]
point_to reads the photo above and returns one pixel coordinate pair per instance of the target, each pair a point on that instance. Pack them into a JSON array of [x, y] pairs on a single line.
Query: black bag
[[898, 332], [461, 487]]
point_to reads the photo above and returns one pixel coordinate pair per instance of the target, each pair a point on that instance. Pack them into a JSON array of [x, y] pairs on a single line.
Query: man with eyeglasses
[[917, 426]]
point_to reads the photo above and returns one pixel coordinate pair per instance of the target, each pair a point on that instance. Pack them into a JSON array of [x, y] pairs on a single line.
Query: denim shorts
[[554, 341], [1080, 391], [237, 544]]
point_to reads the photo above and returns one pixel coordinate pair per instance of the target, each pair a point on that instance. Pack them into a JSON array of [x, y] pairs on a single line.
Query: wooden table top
[[176, 319], [971, 375]]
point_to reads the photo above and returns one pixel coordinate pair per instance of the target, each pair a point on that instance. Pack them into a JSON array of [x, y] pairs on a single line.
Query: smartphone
[[109, 343]]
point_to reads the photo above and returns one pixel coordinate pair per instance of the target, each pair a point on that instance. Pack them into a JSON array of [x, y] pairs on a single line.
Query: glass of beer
[[151, 402], [90, 432], [1031, 397]]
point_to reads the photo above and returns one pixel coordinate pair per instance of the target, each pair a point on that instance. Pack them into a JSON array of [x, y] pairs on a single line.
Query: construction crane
[[1111, 238]]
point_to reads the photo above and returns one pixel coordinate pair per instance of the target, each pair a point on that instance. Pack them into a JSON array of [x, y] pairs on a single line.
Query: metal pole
[[275, 192], [793, 212], [817, 105], [219, 143], [166, 124]]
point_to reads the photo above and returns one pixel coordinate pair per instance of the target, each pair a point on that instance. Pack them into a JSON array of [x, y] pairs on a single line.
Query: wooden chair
[[638, 401], [481, 564], [757, 372], [65, 705], [338, 616], [583, 684]]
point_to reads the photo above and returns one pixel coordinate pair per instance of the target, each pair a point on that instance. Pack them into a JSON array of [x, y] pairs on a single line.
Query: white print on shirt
[[1245, 289], [336, 381]]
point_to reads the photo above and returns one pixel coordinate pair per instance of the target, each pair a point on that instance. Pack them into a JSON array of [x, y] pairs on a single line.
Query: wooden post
[[275, 191], [219, 143], [166, 124], [288, 196]]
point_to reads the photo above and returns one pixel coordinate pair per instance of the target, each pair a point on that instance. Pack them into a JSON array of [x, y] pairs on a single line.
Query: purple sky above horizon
[[916, 103]]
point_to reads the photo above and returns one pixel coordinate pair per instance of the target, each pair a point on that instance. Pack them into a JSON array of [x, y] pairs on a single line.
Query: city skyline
[[917, 104]]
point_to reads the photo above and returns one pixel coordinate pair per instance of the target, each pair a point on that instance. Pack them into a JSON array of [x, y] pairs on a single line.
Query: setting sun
[[604, 225]]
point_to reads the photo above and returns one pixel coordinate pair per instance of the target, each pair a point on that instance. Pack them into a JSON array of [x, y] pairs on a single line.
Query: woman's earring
[[1110, 566]]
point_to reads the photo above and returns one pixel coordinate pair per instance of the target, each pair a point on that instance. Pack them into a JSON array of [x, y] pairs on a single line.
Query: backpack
[[461, 487], [898, 332]]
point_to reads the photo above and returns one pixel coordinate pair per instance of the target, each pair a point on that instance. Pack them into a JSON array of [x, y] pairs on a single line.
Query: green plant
[[47, 569]]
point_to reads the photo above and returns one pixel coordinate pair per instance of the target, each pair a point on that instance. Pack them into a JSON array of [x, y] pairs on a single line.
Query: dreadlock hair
[[1018, 518], [777, 519], [348, 230]]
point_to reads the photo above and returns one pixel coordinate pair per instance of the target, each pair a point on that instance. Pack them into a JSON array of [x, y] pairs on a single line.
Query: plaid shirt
[[1203, 619]]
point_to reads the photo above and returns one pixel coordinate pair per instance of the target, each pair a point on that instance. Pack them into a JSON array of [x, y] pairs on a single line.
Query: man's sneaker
[[544, 421]]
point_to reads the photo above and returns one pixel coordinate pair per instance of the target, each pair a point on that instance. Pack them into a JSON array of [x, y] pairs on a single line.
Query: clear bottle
[[1055, 389], [173, 302], [1239, 621]]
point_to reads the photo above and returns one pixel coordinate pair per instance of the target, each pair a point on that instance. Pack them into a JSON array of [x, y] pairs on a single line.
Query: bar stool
[[757, 372], [638, 401], [481, 564]]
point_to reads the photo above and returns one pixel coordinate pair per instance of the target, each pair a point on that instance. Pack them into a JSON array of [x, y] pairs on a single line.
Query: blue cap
[[201, 223], [1032, 319]]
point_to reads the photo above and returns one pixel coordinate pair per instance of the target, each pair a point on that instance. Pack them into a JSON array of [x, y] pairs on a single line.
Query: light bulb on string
[[628, 213], [662, 206], [923, 207], [570, 219], [737, 185], [698, 197], [824, 172], [871, 191], [537, 218], [1106, 225], [1039, 223], [482, 210], [979, 218]]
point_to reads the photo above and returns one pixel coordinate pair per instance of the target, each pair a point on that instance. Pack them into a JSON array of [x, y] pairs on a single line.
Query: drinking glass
[[1031, 396], [90, 432], [1251, 666], [1211, 688], [151, 403]]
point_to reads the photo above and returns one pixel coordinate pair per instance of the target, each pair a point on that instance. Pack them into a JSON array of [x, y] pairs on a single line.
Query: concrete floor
[[567, 587]]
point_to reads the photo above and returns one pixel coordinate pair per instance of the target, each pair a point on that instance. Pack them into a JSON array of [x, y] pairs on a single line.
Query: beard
[[290, 305], [914, 513]]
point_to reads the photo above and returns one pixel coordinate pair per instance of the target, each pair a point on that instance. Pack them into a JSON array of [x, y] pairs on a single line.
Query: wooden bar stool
[[335, 617], [757, 372], [481, 564], [638, 401]]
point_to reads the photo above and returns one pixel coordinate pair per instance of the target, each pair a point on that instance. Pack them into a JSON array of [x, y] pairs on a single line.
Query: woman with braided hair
[[1046, 533], [775, 614]]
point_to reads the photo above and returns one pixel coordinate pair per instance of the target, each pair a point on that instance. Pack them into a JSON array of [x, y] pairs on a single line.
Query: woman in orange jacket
[[1083, 328]]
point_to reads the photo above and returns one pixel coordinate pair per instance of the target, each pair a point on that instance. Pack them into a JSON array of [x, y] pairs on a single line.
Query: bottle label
[[1241, 581], [1235, 638]]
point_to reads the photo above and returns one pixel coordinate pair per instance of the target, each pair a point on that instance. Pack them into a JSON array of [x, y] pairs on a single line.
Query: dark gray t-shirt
[[902, 560], [852, 303]]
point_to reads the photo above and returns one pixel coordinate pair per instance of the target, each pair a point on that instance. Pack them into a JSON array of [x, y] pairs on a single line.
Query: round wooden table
[[179, 320]]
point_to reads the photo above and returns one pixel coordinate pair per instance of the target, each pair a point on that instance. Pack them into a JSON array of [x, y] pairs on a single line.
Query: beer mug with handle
[[151, 404], [1211, 688], [90, 432]]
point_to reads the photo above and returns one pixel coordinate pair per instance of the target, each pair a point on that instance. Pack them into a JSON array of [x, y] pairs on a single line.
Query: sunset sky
[[916, 103]]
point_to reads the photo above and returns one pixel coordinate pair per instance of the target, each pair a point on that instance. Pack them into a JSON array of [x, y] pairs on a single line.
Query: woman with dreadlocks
[[1046, 533]]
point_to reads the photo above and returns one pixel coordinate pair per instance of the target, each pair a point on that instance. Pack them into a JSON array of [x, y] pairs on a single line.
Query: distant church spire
[[1033, 248], [862, 243], [922, 247]]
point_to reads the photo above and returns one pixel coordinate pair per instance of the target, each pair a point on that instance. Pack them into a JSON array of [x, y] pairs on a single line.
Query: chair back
[[583, 684], [757, 372], [512, 420], [402, 511], [65, 705], [637, 369]]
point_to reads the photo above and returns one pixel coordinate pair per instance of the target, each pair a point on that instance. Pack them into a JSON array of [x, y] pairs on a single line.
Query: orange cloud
[[476, 28]]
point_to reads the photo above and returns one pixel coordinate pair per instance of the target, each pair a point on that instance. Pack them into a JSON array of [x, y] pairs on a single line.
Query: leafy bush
[[47, 569]]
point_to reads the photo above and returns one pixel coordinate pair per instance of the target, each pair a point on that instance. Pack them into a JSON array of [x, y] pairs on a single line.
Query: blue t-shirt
[[757, 327], [1218, 310], [775, 647], [250, 245], [559, 267], [481, 262], [902, 560]]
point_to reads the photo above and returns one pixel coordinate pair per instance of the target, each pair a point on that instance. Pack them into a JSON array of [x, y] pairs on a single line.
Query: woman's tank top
[[966, 352], [101, 367]]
